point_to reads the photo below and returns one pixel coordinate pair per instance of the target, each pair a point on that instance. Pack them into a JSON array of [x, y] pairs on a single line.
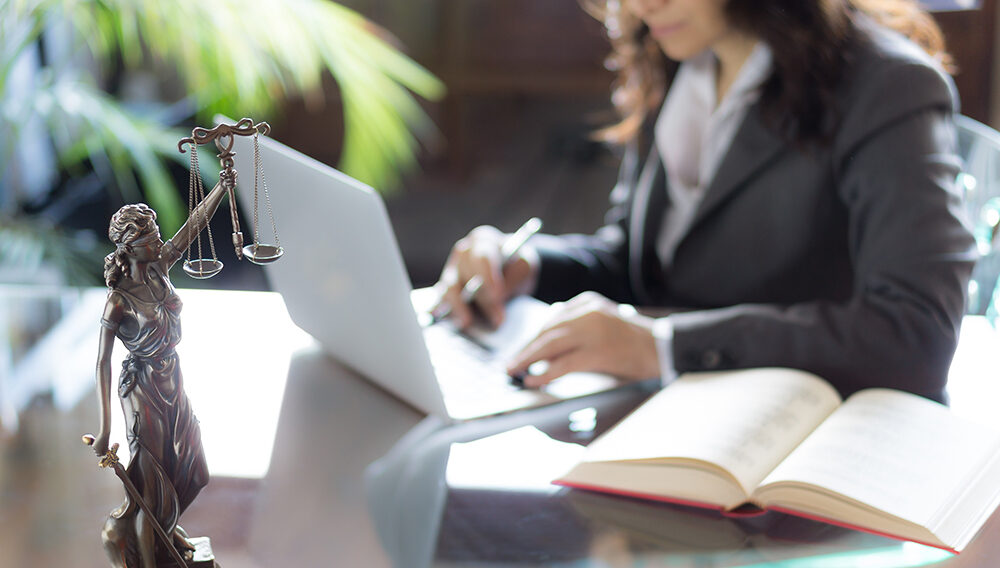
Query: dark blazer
[[849, 260]]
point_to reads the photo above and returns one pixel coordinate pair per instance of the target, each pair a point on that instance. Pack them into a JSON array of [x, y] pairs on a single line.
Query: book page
[[745, 421], [897, 452]]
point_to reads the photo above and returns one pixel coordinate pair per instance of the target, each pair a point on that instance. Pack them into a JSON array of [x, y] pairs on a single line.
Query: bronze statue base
[[203, 556]]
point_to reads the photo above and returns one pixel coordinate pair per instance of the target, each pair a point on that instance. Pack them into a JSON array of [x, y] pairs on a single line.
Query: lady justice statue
[[167, 468]]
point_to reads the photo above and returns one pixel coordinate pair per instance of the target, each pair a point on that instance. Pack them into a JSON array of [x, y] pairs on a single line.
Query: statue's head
[[133, 223], [135, 233]]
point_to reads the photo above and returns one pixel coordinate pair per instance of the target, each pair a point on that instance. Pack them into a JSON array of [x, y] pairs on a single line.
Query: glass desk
[[314, 466]]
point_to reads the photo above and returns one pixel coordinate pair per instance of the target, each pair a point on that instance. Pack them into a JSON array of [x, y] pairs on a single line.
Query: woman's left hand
[[591, 333]]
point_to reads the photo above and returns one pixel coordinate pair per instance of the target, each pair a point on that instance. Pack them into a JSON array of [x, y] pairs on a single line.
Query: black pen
[[510, 246]]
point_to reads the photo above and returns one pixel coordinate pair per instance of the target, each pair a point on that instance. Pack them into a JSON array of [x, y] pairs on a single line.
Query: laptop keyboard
[[463, 366]]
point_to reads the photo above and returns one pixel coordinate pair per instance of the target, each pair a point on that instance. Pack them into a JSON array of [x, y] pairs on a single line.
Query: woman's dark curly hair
[[807, 40]]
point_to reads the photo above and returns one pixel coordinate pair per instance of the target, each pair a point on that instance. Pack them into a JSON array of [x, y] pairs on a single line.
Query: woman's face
[[683, 28]]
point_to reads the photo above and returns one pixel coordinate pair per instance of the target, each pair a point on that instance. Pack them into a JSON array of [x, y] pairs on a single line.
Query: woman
[[167, 463], [787, 190]]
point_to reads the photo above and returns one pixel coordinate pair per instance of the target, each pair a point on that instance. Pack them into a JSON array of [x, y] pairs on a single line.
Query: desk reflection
[[311, 509], [411, 489]]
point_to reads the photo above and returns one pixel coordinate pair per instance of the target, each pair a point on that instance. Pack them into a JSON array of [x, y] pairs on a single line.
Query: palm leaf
[[94, 126], [29, 245], [241, 58]]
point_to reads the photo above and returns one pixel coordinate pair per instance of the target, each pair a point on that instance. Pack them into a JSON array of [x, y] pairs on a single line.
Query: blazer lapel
[[753, 146], [644, 223]]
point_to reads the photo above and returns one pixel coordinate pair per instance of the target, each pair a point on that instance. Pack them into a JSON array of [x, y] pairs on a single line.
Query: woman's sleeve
[[911, 253], [574, 263]]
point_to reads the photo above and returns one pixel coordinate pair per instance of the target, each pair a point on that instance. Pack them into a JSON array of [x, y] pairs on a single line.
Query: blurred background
[[461, 112]]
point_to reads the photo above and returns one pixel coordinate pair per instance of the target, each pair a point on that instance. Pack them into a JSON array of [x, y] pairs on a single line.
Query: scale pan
[[202, 268], [262, 254]]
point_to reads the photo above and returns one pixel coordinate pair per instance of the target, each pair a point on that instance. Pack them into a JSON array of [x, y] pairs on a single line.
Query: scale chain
[[190, 200], [196, 194], [204, 214], [256, 177], [192, 195], [259, 173]]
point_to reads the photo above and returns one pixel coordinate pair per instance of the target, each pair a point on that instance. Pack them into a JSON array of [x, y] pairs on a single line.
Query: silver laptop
[[343, 281]]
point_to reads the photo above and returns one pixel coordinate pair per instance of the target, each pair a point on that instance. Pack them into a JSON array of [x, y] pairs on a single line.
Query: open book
[[883, 461]]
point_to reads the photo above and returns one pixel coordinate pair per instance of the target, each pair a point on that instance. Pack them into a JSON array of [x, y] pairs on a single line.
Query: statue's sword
[[110, 459]]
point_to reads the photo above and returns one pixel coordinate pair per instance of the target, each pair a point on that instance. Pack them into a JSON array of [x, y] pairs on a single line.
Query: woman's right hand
[[478, 255]]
